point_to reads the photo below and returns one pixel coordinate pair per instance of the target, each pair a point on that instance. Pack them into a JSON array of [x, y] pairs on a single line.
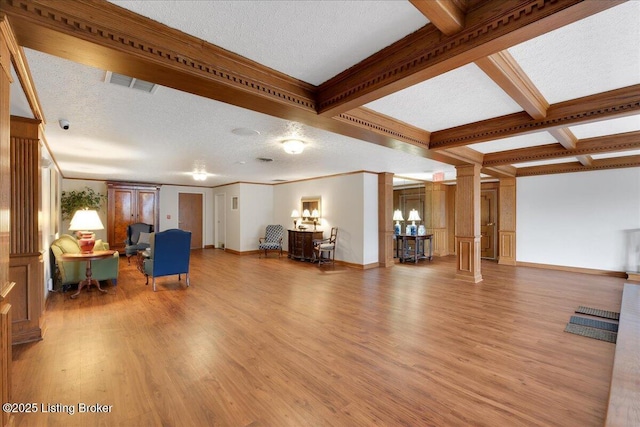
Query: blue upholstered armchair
[[169, 254], [272, 239], [137, 239]]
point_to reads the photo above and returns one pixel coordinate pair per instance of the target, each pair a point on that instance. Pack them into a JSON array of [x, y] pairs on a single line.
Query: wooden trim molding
[[606, 105], [445, 15], [593, 271], [385, 125], [492, 27], [600, 164], [503, 69], [602, 144]]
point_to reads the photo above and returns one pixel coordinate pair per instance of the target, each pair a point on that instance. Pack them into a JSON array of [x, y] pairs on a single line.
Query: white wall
[[256, 212], [349, 202], [578, 219], [169, 196]]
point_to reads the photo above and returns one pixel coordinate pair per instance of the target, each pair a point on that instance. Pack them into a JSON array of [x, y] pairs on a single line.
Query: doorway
[[220, 237], [488, 223], [190, 217]]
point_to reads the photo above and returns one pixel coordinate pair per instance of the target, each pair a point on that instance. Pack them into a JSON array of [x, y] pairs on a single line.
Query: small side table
[[88, 281]]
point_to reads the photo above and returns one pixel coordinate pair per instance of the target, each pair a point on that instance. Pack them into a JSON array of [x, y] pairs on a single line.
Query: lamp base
[[86, 242]]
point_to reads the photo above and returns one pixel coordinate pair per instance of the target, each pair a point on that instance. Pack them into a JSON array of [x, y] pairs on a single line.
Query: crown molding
[[603, 144], [492, 27], [606, 105], [602, 164]]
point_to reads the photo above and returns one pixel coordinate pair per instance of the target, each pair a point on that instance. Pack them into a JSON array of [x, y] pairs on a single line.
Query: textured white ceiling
[[461, 96], [309, 40], [597, 54], [132, 135], [123, 134]]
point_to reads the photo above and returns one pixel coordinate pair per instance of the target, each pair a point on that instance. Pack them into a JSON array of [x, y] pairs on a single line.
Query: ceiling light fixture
[[293, 146], [200, 175]]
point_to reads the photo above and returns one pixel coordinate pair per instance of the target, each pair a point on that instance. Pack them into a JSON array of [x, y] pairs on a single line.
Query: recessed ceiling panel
[[617, 154], [608, 127], [309, 40], [515, 142], [461, 96], [594, 55], [546, 162]]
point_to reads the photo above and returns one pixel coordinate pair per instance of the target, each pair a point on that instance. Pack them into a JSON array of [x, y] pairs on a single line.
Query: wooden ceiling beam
[[504, 171], [503, 69], [615, 103], [602, 164], [444, 14], [602, 144], [585, 160], [565, 137], [106, 36], [493, 26]]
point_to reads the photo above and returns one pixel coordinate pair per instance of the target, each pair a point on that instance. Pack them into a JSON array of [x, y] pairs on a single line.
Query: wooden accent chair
[[324, 250]]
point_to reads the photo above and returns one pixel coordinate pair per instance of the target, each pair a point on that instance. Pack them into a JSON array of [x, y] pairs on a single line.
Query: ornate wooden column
[[507, 221], [26, 268], [468, 223], [436, 194], [385, 222], [5, 190]]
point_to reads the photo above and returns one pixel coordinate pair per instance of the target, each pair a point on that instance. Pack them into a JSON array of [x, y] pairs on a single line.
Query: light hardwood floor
[[275, 342]]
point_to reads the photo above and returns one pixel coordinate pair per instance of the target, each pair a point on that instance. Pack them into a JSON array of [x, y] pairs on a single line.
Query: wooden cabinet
[[128, 203], [301, 244]]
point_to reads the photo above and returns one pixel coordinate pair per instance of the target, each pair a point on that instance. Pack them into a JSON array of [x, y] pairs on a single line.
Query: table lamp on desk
[[397, 217], [413, 217]]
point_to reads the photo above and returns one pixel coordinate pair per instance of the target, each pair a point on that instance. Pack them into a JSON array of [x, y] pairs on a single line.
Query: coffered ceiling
[[523, 87]]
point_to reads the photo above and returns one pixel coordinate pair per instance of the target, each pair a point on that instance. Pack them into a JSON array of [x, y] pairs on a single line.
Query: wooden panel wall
[[385, 223], [507, 222], [5, 285], [468, 223], [26, 266]]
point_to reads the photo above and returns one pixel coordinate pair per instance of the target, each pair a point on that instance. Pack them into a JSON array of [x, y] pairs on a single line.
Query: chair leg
[[188, 282], [147, 276], [154, 284], [129, 259]]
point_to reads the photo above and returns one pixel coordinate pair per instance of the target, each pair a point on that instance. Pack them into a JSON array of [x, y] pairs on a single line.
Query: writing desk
[[402, 247]]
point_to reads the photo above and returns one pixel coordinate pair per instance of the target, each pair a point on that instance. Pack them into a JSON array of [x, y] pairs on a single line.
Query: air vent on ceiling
[[126, 81]]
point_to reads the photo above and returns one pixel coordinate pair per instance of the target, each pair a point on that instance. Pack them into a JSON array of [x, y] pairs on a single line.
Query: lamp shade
[[397, 215], [413, 215], [295, 213], [315, 213], [306, 213], [85, 219]]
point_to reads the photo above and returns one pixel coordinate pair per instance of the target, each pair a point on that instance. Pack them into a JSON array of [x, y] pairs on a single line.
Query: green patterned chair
[[72, 272]]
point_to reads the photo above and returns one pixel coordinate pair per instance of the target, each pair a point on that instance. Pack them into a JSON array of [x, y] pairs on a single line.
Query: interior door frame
[[220, 217], [494, 210], [202, 214]]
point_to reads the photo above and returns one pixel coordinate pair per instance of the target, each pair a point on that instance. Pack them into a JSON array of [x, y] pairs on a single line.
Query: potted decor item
[[87, 200]]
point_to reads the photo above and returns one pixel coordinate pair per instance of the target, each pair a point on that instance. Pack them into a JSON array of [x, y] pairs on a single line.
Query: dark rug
[[598, 313], [599, 334], [594, 323]]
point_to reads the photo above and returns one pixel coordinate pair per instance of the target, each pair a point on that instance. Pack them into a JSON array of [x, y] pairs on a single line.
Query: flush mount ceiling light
[[293, 146], [199, 175]]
